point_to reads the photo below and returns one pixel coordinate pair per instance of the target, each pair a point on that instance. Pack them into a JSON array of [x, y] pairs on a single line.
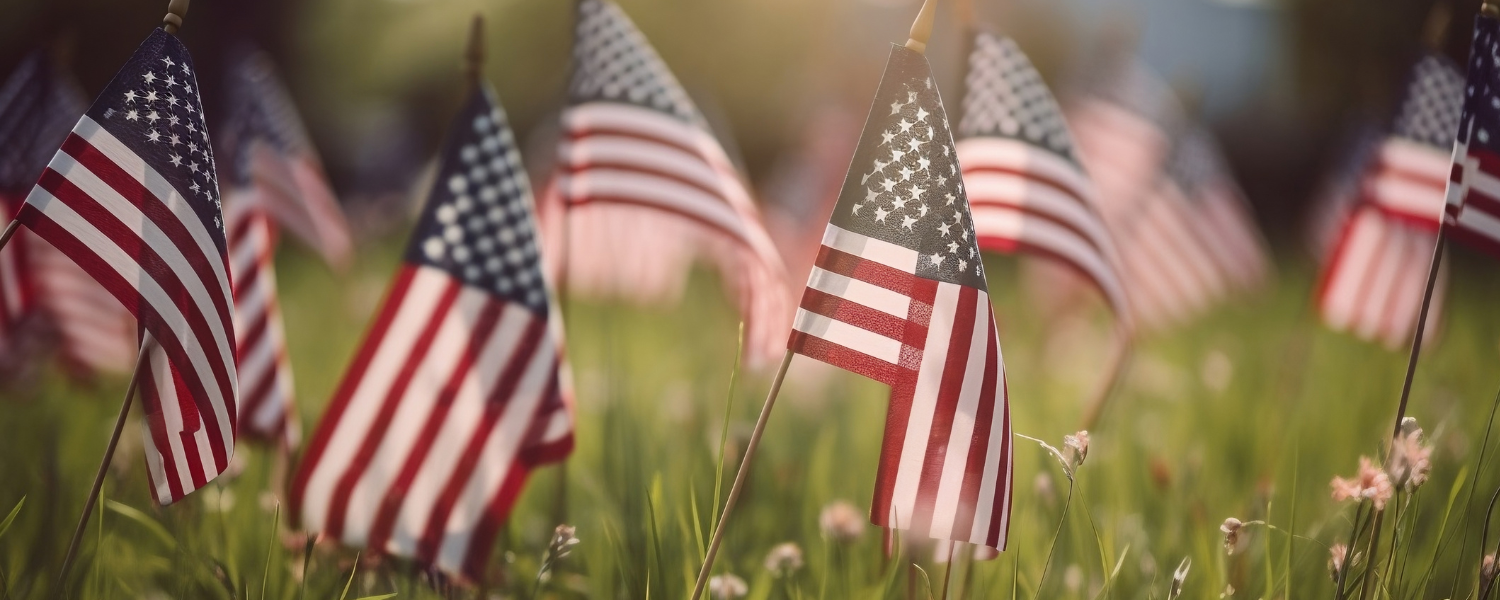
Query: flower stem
[[1053, 549]]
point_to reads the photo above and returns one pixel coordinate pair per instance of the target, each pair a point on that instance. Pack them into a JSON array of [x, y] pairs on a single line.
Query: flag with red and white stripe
[[646, 186], [276, 182], [1026, 188], [1374, 283], [1473, 207], [898, 294], [1220, 213], [457, 392], [132, 197]]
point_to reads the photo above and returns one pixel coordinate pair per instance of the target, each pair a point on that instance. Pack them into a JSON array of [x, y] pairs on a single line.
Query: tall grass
[[1183, 446]]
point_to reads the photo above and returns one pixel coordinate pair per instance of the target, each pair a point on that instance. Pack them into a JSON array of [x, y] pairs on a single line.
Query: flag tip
[[921, 30], [474, 55], [176, 9], [1490, 9]]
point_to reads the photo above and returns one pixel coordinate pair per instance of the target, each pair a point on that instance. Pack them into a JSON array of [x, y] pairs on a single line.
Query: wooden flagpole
[[474, 54], [10, 231], [176, 9], [1121, 352], [147, 343]]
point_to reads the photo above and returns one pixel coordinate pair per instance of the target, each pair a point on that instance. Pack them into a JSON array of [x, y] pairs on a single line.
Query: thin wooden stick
[[1416, 340], [739, 478], [474, 54], [1119, 361], [109, 454], [948, 571], [921, 30], [176, 10], [10, 231]]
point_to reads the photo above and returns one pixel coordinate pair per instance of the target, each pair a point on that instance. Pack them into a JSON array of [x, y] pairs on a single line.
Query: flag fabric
[[132, 198], [644, 182], [898, 294], [1473, 197], [1025, 185], [1125, 127], [1337, 195], [456, 394], [1374, 283], [276, 181], [1220, 213], [38, 106]]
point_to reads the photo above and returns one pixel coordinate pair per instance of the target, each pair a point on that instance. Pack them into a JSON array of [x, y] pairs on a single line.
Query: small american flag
[[898, 294], [1026, 187], [1338, 193], [132, 197], [645, 184], [1220, 213], [1473, 208], [275, 181], [1125, 127], [457, 393], [1373, 285]]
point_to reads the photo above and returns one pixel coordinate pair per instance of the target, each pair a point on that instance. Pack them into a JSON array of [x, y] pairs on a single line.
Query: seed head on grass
[[841, 522], [784, 559], [1178, 577], [563, 541], [1231, 529], [1371, 484], [1336, 558], [1411, 460], [1078, 448], [1487, 571], [727, 587]]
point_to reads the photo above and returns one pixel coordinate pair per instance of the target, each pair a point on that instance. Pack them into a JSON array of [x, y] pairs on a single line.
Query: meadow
[[1247, 412]]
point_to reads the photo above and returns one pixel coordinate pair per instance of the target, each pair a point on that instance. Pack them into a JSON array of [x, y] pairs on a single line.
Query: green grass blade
[[697, 527], [352, 572], [265, 575], [381, 597], [143, 520], [11, 518], [734, 375]]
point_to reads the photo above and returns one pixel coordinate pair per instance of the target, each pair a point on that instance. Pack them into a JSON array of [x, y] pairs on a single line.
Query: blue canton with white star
[[904, 186], [477, 224], [1430, 111], [1480, 125], [152, 106]]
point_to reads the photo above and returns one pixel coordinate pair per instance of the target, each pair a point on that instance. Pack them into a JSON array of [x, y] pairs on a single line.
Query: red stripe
[[845, 358], [360, 461], [156, 424], [575, 169], [979, 444], [849, 310], [581, 133], [1476, 240], [871, 272], [262, 391], [1477, 200], [155, 209], [495, 407], [1387, 167], [482, 541], [395, 297], [980, 168], [898, 412], [1012, 246], [255, 334], [950, 387], [1003, 491], [579, 202], [978, 205], [145, 312], [390, 505], [169, 280]]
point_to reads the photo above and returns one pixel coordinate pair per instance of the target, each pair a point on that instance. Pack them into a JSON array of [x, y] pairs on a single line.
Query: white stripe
[[1012, 224], [1020, 156], [137, 168], [1407, 289], [988, 189], [636, 152], [155, 464], [848, 335], [141, 225], [1419, 199], [1342, 298], [415, 311], [130, 271], [1480, 222], [500, 450], [1380, 284], [173, 421], [649, 189], [412, 411], [961, 435], [859, 292], [619, 116], [871, 249], [999, 446], [924, 403], [456, 430]]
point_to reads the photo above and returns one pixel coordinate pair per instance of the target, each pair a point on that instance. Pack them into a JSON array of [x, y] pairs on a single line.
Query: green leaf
[[345, 593], [11, 518], [382, 597], [143, 520]]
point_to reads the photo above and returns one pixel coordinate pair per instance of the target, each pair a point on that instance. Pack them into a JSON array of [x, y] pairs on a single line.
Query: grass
[[1246, 413]]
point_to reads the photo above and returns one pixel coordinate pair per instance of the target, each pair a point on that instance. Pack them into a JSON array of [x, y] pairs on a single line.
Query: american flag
[[38, 107], [1338, 193], [898, 294], [1125, 128], [1373, 285], [275, 181], [456, 394], [1221, 215], [1026, 187], [132, 197], [644, 181], [1473, 209]]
